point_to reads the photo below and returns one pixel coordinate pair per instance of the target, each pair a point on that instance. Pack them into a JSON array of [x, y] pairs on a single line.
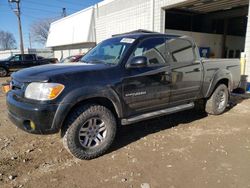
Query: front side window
[[16, 58], [180, 50], [152, 48], [110, 51]]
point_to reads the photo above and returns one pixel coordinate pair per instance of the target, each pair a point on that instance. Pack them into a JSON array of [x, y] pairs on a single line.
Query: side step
[[157, 113]]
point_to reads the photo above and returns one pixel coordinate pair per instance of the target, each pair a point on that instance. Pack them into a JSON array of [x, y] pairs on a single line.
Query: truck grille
[[15, 85]]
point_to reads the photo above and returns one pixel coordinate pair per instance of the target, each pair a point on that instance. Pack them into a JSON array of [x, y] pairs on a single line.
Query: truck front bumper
[[32, 118]]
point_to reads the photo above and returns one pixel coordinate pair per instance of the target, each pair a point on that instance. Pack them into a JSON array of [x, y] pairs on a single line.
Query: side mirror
[[138, 62]]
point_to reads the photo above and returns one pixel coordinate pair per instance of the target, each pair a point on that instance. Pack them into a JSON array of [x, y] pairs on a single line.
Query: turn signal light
[[6, 88], [55, 91]]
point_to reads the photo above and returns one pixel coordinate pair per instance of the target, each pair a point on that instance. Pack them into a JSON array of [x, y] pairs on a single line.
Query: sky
[[34, 10]]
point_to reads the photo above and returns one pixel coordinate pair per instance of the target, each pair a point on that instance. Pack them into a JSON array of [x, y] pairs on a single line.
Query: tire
[[91, 131], [217, 103], [3, 72]]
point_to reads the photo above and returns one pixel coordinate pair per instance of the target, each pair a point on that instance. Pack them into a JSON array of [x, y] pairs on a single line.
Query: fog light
[[29, 125], [32, 125]]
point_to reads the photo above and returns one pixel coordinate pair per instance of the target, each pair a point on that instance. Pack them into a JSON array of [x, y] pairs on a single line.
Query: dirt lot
[[187, 149]]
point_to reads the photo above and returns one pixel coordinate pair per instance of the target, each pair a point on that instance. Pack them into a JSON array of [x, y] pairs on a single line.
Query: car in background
[[20, 61], [71, 59]]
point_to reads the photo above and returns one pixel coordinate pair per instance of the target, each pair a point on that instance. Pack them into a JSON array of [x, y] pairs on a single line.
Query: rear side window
[[180, 50], [28, 58], [152, 48]]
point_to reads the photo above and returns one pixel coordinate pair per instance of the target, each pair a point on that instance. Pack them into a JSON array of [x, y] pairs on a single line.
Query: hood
[[3, 61], [44, 73]]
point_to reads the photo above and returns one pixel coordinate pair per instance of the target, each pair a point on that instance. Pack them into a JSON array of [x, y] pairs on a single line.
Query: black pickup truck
[[19, 61], [125, 79]]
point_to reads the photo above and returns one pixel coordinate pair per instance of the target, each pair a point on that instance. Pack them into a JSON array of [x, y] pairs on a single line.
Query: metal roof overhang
[[73, 30], [75, 46], [206, 6]]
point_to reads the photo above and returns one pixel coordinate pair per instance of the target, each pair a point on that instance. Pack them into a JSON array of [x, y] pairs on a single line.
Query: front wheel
[[92, 129], [217, 103]]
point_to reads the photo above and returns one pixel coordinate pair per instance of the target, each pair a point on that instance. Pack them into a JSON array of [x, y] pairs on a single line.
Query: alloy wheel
[[92, 133]]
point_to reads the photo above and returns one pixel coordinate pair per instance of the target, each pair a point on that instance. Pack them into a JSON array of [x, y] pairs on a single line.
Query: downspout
[[96, 12], [152, 15], [247, 47]]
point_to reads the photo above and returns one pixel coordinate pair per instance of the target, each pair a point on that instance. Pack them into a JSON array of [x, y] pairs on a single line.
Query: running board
[[157, 113]]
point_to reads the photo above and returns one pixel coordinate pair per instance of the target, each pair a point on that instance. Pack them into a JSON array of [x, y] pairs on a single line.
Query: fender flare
[[218, 76], [81, 94]]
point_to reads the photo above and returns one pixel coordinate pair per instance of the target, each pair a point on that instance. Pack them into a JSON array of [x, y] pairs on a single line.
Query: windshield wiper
[[98, 61]]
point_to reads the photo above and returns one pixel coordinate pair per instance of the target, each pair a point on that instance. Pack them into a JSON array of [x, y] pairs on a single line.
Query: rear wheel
[[217, 103], [3, 72], [91, 131]]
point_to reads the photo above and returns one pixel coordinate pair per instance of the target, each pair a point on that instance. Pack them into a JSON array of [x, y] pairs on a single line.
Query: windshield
[[110, 51], [8, 58]]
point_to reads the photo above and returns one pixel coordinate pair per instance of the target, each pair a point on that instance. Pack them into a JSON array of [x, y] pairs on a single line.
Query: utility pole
[[64, 13], [30, 41], [18, 14]]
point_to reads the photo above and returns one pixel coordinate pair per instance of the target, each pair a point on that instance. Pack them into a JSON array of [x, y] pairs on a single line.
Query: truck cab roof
[[25, 54], [141, 34]]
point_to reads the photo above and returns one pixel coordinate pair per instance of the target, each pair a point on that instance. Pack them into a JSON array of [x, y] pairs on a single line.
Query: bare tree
[[7, 41], [39, 30]]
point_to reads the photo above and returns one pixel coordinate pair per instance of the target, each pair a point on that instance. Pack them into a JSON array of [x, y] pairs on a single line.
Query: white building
[[221, 26]]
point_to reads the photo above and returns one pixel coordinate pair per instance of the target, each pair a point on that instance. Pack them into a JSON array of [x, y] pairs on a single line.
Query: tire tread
[[210, 107], [75, 119]]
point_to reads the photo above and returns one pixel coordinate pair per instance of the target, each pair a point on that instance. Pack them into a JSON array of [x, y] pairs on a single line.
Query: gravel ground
[[187, 149]]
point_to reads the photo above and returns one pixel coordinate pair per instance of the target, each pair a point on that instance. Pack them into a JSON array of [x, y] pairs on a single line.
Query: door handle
[[197, 70], [166, 73]]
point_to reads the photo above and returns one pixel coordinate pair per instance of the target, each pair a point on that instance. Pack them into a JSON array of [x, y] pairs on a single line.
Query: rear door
[[186, 70], [148, 88]]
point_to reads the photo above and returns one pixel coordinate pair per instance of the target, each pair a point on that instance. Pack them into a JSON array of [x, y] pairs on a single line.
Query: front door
[[15, 63], [148, 88]]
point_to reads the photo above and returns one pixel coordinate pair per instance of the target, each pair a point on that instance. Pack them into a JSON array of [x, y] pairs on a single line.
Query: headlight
[[43, 91]]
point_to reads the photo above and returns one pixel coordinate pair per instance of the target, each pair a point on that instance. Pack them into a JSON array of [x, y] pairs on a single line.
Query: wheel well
[[98, 101], [4, 68], [222, 81]]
